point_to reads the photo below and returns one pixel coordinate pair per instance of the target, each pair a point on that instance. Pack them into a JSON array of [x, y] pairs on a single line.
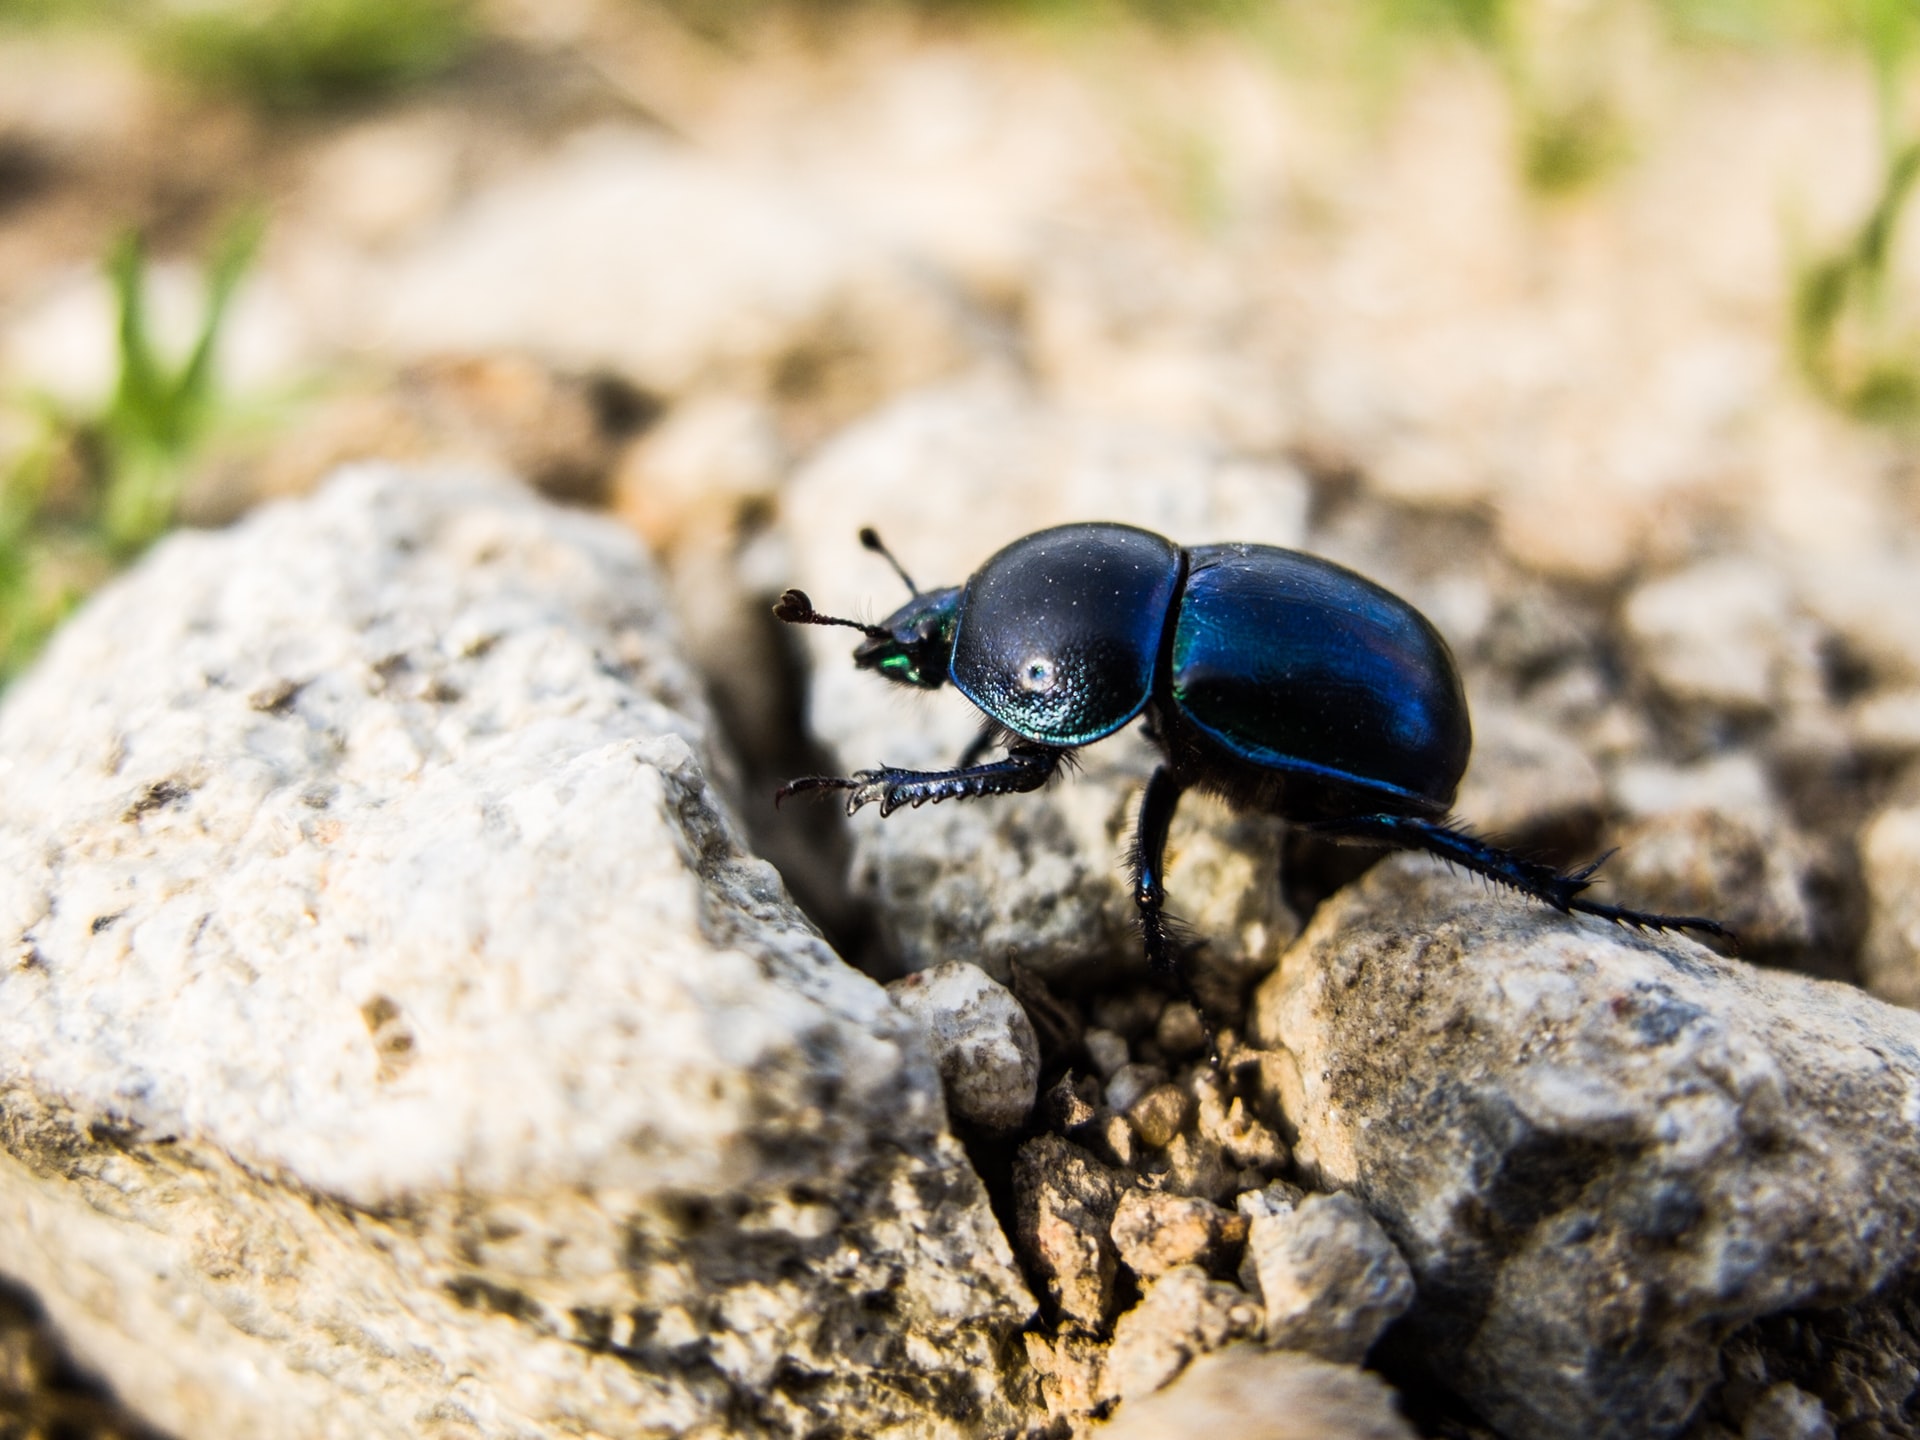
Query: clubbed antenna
[[870, 538], [796, 609]]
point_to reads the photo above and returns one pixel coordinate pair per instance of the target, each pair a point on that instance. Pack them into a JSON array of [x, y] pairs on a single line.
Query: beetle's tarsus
[[1640, 919], [1539, 881], [811, 782]]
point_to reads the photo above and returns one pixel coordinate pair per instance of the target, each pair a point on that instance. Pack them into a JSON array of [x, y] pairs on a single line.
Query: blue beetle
[[1282, 682]]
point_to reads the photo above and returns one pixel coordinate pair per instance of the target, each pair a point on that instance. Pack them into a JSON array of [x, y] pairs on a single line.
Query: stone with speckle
[[395, 1026], [1599, 1152], [988, 1055]]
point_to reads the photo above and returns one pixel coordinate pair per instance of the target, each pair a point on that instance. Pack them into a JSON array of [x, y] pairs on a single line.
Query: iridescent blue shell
[[1299, 665]]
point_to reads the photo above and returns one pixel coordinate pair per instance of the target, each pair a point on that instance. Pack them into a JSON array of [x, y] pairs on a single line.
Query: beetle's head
[[914, 646]]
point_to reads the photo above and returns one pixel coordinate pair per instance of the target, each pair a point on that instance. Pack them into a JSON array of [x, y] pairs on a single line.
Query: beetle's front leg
[[1026, 767]]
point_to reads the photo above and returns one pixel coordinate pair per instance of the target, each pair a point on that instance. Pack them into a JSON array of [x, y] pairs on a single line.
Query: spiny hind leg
[[1560, 889]]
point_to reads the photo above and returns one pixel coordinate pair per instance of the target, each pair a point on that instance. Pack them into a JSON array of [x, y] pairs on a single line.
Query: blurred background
[[1628, 279], [1592, 325]]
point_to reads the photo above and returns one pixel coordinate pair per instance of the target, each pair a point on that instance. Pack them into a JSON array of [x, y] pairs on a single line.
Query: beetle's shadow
[[810, 845], [1313, 867]]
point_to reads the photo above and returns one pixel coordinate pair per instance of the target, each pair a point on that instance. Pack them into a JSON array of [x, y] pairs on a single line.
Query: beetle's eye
[[1037, 675]]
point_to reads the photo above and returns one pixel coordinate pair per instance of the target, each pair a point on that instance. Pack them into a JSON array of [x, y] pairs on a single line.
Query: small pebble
[[1064, 1201], [1197, 1166], [1890, 860], [1119, 1140], [1130, 1082], [1748, 869], [1719, 634], [1226, 1121], [1277, 1198], [1183, 1315], [1887, 725], [1072, 1371], [1243, 1392], [988, 1055], [1160, 1114], [1106, 1051], [1155, 1232], [1786, 1412], [1730, 782], [1329, 1277], [1066, 1106], [1180, 1031]]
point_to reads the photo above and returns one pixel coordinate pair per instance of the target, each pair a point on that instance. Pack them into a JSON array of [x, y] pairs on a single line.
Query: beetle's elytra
[[1280, 681]]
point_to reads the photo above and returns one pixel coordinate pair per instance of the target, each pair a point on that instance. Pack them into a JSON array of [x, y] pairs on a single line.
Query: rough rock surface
[[1247, 1393], [1183, 1315], [1329, 1278], [397, 1040], [1854, 1369], [1599, 1152], [982, 1040], [1064, 1202], [1155, 1232]]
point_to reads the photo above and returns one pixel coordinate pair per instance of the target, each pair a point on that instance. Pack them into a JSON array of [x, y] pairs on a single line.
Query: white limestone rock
[[396, 1040], [634, 252], [1247, 1393], [988, 1055], [1721, 634], [1600, 1153], [1329, 1277]]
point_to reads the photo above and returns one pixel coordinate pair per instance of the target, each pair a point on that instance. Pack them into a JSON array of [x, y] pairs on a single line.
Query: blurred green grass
[[280, 55], [1855, 335], [92, 490], [309, 54]]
